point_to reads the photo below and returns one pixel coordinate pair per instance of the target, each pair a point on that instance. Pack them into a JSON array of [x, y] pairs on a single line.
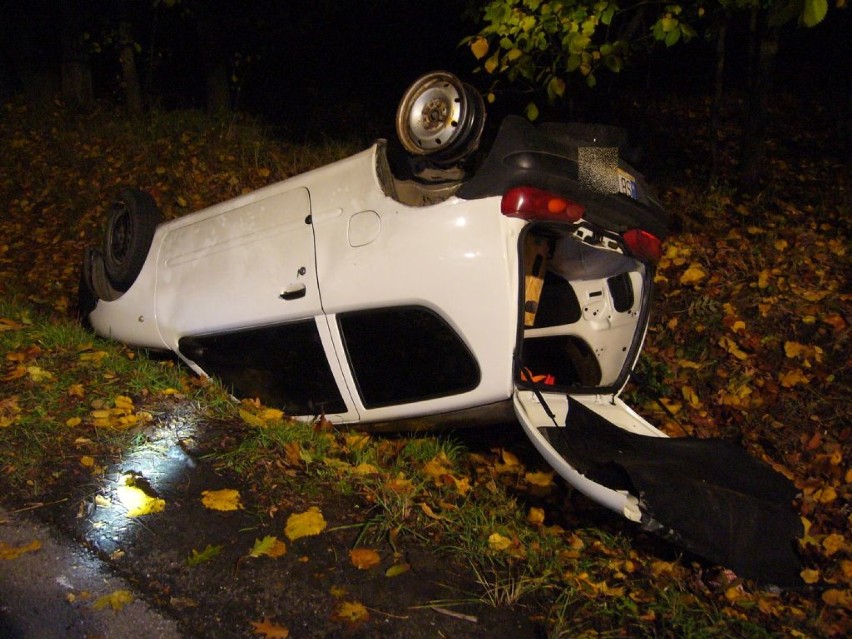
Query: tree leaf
[[351, 612], [226, 499], [13, 552], [479, 48], [269, 630], [207, 554], [397, 569], [306, 524], [269, 546], [115, 600], [814, 11], [364, 558]]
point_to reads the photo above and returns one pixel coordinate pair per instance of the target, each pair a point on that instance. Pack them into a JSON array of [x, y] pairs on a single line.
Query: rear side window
[[284, 365], [407, 354]]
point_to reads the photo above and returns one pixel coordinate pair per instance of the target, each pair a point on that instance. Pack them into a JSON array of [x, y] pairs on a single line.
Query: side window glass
[[403, 355], [285, 366]]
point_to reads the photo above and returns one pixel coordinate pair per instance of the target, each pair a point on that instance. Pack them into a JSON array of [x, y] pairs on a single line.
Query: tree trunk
[[753, 150], [77, 87], [130, 76], [218, 89], [716, 106]]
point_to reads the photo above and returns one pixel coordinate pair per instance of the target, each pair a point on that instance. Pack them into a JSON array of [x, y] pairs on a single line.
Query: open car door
[[705, 495]]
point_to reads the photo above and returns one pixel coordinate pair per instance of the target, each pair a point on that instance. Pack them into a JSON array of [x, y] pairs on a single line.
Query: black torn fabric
[[708, 496]]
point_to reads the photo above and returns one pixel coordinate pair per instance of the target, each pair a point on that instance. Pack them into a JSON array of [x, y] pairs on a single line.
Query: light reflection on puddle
[[142, 482]]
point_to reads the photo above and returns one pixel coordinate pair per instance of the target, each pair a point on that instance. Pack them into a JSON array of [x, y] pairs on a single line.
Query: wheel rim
[[120, 234]]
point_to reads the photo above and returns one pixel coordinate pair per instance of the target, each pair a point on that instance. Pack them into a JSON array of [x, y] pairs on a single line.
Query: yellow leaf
[[87, 461], [397, 569], [71, 422], [38, 374], [479, 48], [498, 542], [535, 516], [492, 62], [356, 441], [224, 500], [13, 552], [427, 510], [124, 403], [251, 419], [810, 576], [763, 278], [792, 378], [139, 503], [365, 469], [270, 630], [833, 543], [306, 524], [825, 495], [690, 396], [732, 347], [115, 600], [351, 612], [269, 546], [364, 558], [76, 390], [514, 54], [694, 274], [541, 479], [837, 597]]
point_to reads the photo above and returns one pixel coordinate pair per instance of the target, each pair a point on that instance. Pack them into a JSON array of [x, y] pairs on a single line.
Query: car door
[[247, 262], [238, 298]]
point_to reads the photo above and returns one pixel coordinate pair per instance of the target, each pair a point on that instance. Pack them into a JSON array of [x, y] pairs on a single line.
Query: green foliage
[[542, 44]]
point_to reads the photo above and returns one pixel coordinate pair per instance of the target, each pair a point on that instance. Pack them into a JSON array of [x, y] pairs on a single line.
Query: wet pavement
[[51, 592]]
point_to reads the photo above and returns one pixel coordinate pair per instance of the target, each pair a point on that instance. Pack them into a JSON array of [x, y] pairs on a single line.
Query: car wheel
[[132, 220], [441, 117]]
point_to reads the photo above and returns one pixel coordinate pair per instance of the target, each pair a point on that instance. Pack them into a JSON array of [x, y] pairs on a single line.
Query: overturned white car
[[442, 283]]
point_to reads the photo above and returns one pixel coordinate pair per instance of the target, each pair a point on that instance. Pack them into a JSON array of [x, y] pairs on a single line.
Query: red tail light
[[529, 203], [643, 244]]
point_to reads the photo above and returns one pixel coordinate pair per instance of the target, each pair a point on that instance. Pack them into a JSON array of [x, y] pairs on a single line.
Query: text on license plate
[[627, 185]]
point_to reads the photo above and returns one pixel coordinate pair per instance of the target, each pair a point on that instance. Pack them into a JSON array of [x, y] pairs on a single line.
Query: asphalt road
[[52, 592]]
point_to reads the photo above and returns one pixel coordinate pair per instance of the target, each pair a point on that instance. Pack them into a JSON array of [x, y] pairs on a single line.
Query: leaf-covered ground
[[749, 342]]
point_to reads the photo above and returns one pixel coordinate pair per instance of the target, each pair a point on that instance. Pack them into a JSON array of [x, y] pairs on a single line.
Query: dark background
[[341, 65]]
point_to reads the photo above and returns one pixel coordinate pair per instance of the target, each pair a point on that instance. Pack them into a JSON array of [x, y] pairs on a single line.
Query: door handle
[[294, 292]]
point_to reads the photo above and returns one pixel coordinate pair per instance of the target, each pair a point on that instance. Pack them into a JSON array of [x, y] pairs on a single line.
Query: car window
[[406, 354], [283, 365]]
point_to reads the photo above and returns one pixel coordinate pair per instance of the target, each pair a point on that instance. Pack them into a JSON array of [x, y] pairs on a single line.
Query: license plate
[[627, 185]]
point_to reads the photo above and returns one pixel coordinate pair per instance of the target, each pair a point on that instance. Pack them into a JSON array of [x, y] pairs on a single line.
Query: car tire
[[133, 218], [441, 117]]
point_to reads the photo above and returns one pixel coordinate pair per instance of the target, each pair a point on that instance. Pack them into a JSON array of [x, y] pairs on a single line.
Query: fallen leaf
[[13, 552], [364, 558], [694, 274], [269, 546], [535, 516], [351, 612], [270, 630], [115, 600], [541, 479], [207, 554], [139, 503], [226, 499], [837, 597], [498, 542], [397, 569], [306, 524]]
